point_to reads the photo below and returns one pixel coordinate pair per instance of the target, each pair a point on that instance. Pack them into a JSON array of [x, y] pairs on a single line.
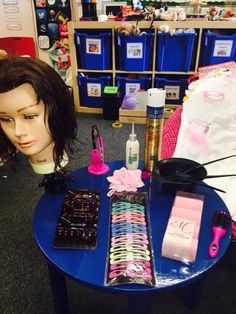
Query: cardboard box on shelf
[[139, 116]]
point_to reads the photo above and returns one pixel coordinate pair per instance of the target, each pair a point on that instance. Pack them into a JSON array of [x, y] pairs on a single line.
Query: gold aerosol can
[[154, 126]]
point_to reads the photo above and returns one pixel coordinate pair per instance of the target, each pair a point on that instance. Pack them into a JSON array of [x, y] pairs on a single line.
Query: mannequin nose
[[20, 129]]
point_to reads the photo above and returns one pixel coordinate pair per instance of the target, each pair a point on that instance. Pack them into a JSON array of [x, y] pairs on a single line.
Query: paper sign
[[132, 87], [223, 48], [94, 90], [172, 91], [93, 46], [134, 51]]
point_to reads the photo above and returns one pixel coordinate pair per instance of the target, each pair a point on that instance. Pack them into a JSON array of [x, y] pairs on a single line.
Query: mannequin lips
[[26, 144]]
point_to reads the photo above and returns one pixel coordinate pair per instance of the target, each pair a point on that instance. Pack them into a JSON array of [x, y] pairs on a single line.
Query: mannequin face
[[22, 119]]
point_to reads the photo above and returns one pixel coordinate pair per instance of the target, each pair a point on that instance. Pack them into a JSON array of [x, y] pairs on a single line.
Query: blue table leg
[[59, 290], [193, 295], [139, 304]]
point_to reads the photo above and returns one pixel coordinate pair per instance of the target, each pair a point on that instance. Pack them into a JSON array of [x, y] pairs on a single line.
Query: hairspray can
[[154, 126]]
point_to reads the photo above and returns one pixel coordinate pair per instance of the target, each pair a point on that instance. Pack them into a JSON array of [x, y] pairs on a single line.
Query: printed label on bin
[[223, 48], [172, 92], [93, 46], [94, 90], [134, 51], [131, 87]]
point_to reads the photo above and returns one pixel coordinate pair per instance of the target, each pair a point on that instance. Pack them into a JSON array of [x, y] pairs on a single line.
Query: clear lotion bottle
[[132, 151]]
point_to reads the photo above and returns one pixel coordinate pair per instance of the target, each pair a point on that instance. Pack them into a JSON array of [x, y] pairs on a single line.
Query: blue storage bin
[[174, 53], [175, 89], [218, 48], [91, 89], [94, 51], [127, 85], [135, 52]]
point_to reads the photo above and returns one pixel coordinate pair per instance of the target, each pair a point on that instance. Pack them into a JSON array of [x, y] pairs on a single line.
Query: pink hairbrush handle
[[218, 233]]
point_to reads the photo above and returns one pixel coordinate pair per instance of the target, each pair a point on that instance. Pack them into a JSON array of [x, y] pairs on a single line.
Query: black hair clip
[[55, 182]]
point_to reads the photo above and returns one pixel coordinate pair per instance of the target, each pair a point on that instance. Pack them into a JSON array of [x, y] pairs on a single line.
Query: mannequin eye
[[30, 117], [6, 119]]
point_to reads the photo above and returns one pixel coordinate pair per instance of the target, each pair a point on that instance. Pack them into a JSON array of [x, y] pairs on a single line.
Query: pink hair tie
[[214, 95]]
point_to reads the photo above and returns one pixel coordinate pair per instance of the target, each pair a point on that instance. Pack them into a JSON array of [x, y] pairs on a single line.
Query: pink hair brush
[[221, 223]]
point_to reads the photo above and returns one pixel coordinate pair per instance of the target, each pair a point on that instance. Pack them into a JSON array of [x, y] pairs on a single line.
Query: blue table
[[88, 266]]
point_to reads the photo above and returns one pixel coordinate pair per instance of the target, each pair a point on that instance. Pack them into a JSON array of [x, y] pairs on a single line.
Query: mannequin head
[[36, 112]]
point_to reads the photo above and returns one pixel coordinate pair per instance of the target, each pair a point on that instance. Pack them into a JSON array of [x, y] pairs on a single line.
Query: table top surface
[[88, 266]]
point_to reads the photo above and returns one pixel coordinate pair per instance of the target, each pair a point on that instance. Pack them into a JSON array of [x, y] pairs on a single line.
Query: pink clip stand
[[97, 166]]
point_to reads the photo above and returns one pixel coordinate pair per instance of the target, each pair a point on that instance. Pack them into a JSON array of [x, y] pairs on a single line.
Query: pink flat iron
[[220, 225], [97, 166]]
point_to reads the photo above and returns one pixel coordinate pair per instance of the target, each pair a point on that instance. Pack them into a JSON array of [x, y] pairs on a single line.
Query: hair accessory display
[[78, 221], [129, 258]]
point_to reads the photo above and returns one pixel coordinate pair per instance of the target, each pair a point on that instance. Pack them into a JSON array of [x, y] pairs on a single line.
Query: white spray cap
[[132, 136], [156, 97]]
